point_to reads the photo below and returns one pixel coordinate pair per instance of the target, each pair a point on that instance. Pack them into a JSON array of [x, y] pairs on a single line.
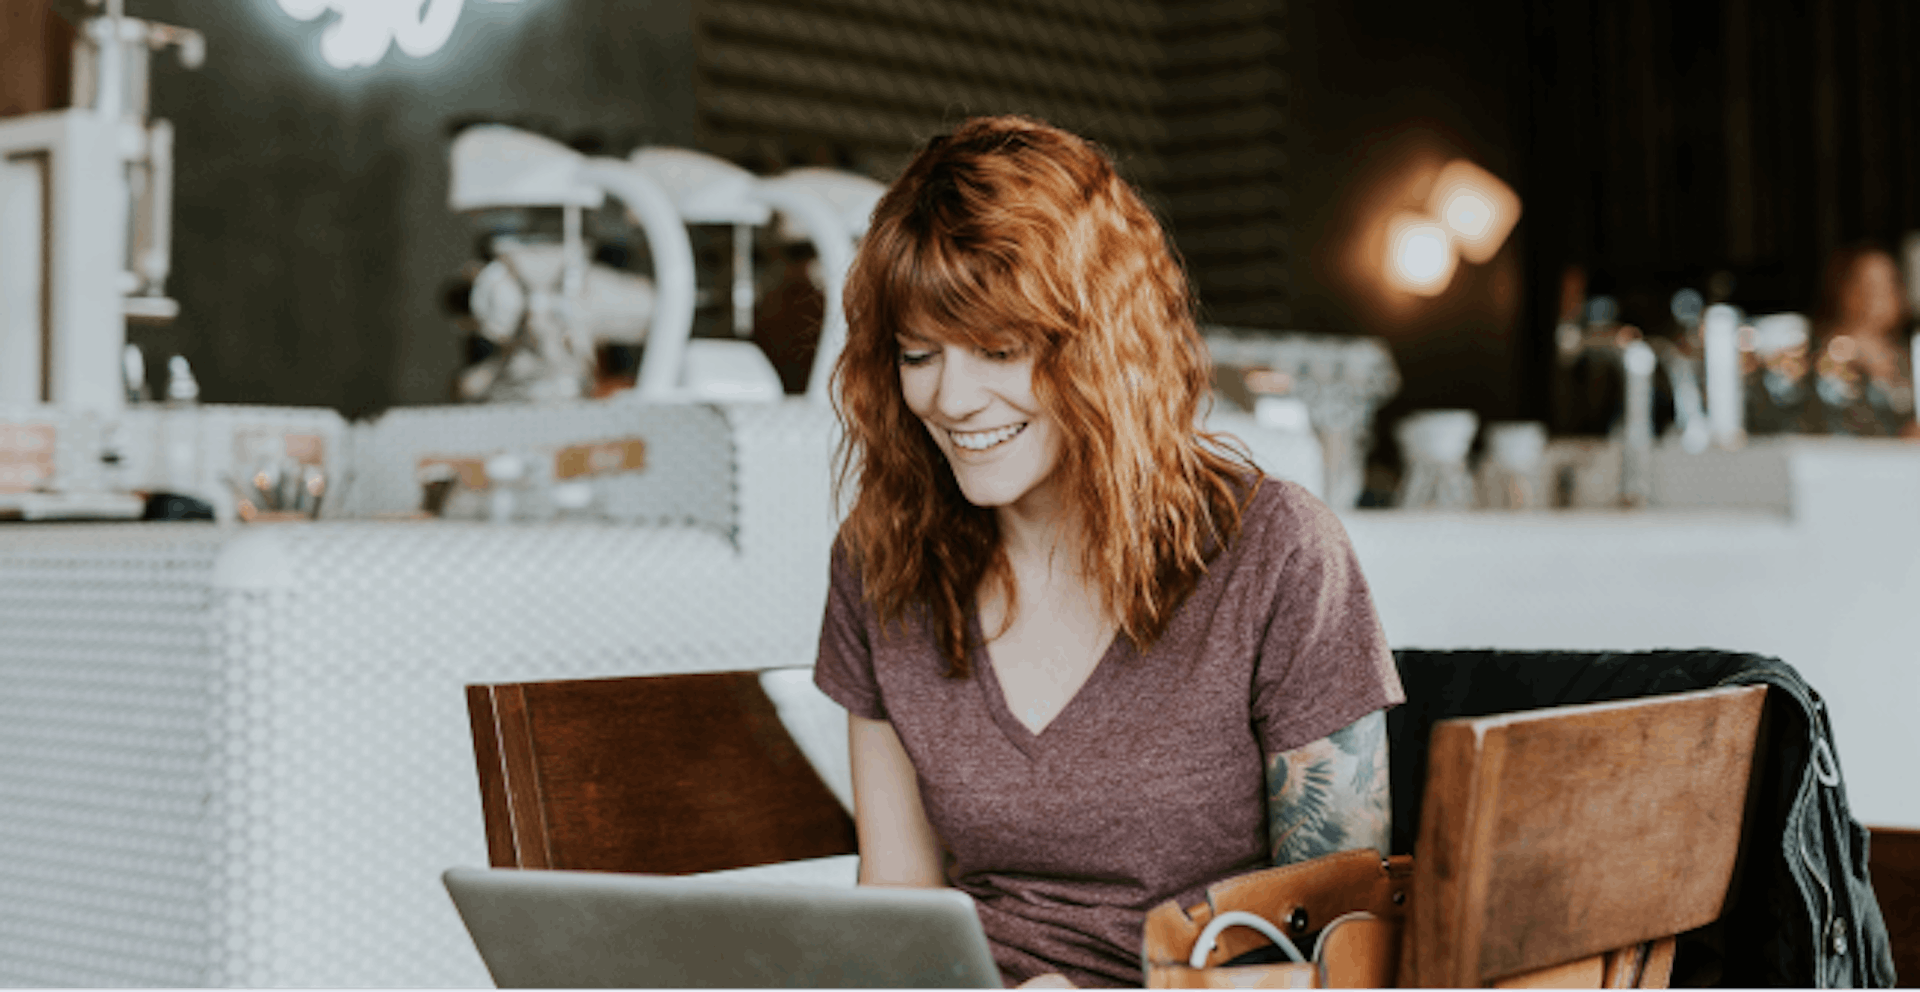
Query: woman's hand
[[1050, 980]]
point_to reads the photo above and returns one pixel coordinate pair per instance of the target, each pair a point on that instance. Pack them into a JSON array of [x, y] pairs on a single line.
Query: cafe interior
[[377, 378]]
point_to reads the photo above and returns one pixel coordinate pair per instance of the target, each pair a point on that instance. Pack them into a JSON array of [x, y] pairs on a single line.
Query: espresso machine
[[546, 303], [86, 208], [85, 216]]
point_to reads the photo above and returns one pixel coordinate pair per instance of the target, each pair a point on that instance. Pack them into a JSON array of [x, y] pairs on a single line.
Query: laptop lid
[[565, 929]]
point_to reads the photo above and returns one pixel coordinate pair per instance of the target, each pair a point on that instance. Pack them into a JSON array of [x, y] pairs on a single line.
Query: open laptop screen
[[563, 929]]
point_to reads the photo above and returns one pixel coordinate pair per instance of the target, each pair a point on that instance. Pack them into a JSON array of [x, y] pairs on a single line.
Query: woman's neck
[[1044, 555], [1038, 530]]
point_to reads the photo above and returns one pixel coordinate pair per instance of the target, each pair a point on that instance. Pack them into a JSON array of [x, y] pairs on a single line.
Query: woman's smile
[[987, 440], [979, 407]]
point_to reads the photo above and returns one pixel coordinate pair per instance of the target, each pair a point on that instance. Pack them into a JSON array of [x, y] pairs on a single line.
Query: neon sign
[[365, 29]]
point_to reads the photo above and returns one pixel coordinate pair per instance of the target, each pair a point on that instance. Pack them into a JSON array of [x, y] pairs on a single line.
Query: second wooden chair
[[667, 774]]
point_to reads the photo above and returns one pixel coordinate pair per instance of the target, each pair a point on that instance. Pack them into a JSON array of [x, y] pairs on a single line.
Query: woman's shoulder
[[1283, 513], [847, 584]]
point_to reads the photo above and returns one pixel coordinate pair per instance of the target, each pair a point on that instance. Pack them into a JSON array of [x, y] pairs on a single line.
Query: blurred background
[[1657, 146]]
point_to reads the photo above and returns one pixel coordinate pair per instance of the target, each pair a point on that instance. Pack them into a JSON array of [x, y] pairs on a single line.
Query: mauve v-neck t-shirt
[[1150, 783]]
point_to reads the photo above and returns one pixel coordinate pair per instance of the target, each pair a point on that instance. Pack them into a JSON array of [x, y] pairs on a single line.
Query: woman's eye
[[915, 357], [1000, 354]]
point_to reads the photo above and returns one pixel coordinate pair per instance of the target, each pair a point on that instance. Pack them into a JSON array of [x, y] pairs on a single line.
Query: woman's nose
[[962, 388]]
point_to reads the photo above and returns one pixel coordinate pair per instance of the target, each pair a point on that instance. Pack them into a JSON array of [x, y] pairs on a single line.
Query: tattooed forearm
[[1330, 795]]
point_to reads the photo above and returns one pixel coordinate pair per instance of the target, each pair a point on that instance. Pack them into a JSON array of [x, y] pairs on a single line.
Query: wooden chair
[[1566, 847], [667, 774]]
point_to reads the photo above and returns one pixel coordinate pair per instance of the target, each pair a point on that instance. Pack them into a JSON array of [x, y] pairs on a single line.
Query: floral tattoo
[[1331, 795]]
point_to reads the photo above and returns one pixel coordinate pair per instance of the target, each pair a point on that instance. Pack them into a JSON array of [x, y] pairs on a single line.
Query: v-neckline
[[1029, 741]]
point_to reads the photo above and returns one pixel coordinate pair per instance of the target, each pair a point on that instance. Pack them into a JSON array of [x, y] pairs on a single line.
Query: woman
[[1862, 369], [1091, 661]]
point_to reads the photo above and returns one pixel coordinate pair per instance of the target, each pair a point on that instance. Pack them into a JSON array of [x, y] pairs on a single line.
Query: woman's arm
[[897, 844], [1331, 795]]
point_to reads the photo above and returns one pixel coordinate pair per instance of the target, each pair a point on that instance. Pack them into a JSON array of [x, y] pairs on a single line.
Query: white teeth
[[982, 440]]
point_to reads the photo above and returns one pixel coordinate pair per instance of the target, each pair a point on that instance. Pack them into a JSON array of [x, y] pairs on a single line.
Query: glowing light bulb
[[1423, 254], [1469, 214], [1477, 208], [1420, 256]]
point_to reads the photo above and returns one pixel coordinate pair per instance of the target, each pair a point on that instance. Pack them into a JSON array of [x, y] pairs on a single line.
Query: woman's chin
[[986, 497]]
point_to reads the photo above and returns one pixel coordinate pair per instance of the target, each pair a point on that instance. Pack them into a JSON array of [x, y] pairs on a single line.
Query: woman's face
[[1870, 298], [980, 409]]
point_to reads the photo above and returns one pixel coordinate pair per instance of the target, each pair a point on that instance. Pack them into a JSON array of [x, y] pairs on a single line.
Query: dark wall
[[1752, 136], [1190, 99], [1654, 145], [312, 239], [1385, 93]]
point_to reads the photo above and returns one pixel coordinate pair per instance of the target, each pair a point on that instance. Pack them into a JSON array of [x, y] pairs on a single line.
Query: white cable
[[1204, 945]]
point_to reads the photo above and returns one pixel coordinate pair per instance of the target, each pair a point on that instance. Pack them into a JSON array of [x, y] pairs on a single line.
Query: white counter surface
[[239, 755]]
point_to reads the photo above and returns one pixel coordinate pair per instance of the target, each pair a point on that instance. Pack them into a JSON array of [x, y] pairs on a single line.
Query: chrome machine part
[[97, 178], [706, 189]]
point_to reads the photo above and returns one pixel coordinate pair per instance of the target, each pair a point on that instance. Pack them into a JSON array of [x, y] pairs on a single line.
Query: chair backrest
[[1550, 837], [667, 774]]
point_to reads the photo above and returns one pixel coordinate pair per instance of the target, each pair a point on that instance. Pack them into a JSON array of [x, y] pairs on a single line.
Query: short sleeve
[[844, 668], [1323, 658]]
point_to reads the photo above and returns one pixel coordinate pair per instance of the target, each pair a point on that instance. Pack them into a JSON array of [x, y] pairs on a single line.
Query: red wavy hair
[[1010, 233]]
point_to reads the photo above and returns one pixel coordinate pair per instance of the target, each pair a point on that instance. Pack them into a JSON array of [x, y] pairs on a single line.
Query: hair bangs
[[946, 292]]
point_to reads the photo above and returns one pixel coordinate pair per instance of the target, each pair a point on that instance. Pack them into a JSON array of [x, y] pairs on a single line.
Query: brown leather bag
[[1346, 915], [1355, 902]]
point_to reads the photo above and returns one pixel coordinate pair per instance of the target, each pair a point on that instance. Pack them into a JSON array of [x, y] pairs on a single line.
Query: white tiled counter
[[238, 755]]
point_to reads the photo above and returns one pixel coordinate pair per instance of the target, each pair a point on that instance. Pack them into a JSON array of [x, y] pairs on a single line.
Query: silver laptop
[[567, 929]]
